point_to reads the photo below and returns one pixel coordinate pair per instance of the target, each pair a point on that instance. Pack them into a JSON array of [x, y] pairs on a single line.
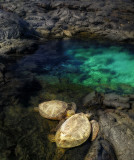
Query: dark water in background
[[65, 70]]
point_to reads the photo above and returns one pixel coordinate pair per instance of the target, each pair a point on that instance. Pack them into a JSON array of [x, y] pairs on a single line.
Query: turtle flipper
[[72, 106], [59, 153], [51, 137], [95, 129], [36, 109], [69, 113]]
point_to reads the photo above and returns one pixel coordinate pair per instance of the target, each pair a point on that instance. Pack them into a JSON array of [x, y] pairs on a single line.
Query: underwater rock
[[92, 98], [109, 100], [132, 104], [117, 101], [115, 97], [89, 98], [131, 97], [116, 104]]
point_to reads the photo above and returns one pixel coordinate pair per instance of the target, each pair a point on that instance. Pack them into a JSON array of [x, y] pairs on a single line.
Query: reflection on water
[[101, 66], [64, 70]]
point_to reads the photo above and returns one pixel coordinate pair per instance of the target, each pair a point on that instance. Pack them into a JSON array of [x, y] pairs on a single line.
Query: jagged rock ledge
[[64, 18], [115, 114]]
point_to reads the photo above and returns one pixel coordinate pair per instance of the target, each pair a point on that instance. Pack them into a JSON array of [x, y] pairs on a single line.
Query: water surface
[[104, 67]]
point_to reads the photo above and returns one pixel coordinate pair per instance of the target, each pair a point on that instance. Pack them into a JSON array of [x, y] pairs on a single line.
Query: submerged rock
[[116, 104], [116, 101], [110, 100], [116, 97], [92, 98]]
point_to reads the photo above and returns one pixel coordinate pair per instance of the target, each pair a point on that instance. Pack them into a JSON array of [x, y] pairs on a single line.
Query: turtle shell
[[73, 132], [54, 109]]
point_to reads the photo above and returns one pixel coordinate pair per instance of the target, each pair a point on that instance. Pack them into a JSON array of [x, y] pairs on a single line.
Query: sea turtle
[[74, 132], [56, 110]]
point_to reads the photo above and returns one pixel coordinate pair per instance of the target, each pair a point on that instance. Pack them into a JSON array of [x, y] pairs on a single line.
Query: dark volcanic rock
[[116, 119], [101, 150], [118, 128], [104, 18], [12, 27], [15, 34]]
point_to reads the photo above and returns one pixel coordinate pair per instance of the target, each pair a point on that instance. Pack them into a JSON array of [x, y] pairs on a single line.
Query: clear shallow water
[[63, 70], [102, 66]]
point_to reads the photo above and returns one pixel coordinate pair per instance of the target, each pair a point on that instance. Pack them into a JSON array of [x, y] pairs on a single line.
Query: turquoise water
[[102, 66]]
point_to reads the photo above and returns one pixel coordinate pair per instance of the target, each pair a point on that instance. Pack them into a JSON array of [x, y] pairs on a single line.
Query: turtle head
[[88, 115], [36, 109], [72, 106], [51, 137], [70, 113]]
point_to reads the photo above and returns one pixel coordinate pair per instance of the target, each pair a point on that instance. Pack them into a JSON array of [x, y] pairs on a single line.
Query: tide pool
[[104, 67]]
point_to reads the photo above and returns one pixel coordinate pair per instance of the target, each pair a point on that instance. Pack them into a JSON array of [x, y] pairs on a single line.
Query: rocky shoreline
[[32, 20]]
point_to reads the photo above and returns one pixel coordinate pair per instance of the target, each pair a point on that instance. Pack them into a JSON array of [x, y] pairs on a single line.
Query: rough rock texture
[[17, 46], [118, 128], [15, 33], [12, 26], [111, 100], [101, 149], [59, 18], [116, 125]]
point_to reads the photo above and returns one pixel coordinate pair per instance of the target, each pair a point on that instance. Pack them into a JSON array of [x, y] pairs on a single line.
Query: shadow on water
[[63, 70]]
